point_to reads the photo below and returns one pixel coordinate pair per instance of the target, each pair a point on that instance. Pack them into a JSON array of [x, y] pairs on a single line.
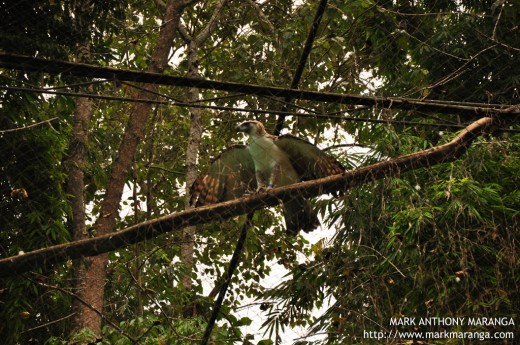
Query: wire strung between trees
[[68, 86], [332, 115], [26, 63], [213, 99]]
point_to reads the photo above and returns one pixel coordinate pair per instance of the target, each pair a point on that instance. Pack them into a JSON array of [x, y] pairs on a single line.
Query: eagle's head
[[253, 128]]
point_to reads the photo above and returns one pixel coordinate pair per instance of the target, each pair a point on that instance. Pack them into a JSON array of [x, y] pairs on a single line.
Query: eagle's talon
[[264, 188]]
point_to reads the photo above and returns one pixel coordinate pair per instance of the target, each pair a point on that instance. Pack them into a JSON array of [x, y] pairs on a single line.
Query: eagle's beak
[[242, 128]]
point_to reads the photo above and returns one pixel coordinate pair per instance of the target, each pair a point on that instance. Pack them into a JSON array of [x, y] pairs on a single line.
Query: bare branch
[[160, 4], [459, 71], [404, 32], [494, 36], [211, 25], [494, 40], [49, 323], [185, 35], [177, 221], [88, 305], [261, 15], [10, 130]]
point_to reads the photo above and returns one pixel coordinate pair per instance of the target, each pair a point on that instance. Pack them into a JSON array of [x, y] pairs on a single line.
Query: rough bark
[[153, 228], [192, 152], [75, 163], [76, 189], [76, 184]]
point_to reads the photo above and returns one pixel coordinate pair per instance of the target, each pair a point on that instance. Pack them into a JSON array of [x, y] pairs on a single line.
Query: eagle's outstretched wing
[[229, 176], [308, 160], [310, 163]]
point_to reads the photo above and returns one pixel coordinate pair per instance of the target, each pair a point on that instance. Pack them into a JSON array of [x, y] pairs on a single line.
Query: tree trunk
[[192, 154], [192, 150], [76, 184], [76, 188], [94, 273]]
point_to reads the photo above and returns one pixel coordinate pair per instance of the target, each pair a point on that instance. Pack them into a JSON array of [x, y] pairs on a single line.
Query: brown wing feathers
[[228, 177], [232, 174], [309, 161], [201, 192], [328, 166]]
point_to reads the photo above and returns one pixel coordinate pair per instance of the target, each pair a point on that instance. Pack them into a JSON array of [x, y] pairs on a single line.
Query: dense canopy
[[439, 241]]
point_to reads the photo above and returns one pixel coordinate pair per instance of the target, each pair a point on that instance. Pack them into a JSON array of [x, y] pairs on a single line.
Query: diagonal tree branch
[[262, 17], [175, 222], [233, 264], [303, 61], [185, 35], [202, 36]]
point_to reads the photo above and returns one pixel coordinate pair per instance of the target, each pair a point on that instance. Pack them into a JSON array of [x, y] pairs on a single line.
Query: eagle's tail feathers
[[299, 216]]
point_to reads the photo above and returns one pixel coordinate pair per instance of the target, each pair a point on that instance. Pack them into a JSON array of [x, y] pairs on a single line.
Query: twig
[[333, 147], [88, 305], [136, 342], [498, 42], [179, 173], [494, 36], [384, 257], [28, 126], [49, 323], [459, 71], [433, 14], [433, 48]]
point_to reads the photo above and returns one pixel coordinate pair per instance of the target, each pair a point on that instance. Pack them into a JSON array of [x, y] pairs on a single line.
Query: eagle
[[266, 161]]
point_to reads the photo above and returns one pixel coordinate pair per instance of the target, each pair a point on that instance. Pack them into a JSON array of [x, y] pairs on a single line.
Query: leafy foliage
[[440, 241]]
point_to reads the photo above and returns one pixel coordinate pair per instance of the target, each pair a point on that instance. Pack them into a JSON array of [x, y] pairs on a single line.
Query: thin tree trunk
[[194, 139], [192, 154]]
